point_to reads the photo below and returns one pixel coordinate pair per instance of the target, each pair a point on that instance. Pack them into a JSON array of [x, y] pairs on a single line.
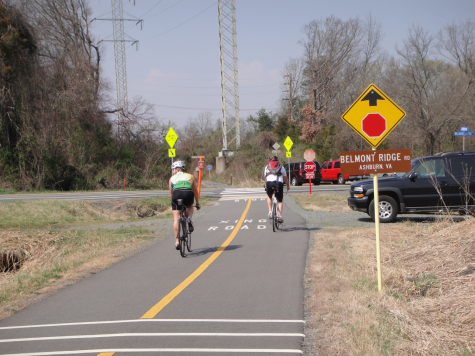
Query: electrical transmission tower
[[120, 62], [229, 75]]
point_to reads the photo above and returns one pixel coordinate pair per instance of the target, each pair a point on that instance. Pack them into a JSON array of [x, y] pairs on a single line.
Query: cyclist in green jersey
[[182, 186]]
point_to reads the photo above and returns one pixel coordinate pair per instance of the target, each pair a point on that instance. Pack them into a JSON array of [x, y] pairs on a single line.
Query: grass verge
[[46, 213]]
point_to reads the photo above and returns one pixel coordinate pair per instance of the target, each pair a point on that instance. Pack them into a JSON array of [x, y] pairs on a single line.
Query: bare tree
[[294, 71], [456, 43], [433, 92]]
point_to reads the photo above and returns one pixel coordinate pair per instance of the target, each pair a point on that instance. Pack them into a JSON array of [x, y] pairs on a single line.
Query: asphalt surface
[[246, 298]]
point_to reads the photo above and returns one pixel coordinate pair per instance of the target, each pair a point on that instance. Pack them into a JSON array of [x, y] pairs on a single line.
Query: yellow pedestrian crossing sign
[[288, 144], [171, 152], [171, 138], [288, 154]]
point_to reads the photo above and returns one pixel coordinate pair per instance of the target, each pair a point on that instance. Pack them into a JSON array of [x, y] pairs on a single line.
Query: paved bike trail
[[248, 300]]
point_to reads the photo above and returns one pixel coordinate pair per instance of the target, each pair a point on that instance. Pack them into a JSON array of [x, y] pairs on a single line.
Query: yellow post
[[376, 220]]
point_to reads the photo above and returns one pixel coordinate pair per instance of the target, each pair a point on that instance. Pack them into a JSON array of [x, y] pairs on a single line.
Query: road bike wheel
[[183, 235], [274, 216]]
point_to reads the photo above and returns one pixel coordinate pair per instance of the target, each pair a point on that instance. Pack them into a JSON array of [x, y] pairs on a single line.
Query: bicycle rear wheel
[[182, 236]]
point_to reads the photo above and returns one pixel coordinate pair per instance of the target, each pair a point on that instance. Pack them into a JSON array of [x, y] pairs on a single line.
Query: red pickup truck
[[331, 173]]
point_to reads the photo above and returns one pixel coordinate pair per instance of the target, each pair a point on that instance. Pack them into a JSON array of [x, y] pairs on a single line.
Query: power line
[[180, 24], [204, 109], [168, 8], [215, 87], [194, 95]]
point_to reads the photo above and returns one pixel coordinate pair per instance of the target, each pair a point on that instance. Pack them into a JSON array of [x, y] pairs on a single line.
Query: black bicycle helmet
[[274, 158]]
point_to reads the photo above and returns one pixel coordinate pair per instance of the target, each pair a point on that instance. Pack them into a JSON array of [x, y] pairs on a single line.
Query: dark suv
[[439, 183], [297, 173]]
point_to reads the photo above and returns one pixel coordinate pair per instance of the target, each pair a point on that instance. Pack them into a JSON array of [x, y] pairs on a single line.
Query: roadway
[[240, 291], [208, 189]]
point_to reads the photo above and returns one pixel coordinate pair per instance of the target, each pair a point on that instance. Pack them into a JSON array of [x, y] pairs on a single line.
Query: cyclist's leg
[[176, 217], [188, 200], [280, 196], [176, 213], [269, 192]]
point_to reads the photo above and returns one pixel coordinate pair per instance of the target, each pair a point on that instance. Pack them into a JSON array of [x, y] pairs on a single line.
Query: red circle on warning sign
[[373, 125]]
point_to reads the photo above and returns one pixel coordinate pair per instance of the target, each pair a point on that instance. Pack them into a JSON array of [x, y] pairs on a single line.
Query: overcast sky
[[177, 68]]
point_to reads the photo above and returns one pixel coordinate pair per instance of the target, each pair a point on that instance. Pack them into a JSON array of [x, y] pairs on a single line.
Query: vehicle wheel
[[316, 182], [385, 175], [388, 209], [293, 181], [341, 179]]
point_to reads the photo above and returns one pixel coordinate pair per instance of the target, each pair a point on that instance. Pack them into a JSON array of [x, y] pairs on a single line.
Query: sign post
[[373, 116], [463, 132], [209, 168], [201, 165], [309, 156], [288, 145], [310, 169]]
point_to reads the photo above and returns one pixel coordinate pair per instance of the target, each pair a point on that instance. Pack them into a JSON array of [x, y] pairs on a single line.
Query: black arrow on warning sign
[[373, 98]]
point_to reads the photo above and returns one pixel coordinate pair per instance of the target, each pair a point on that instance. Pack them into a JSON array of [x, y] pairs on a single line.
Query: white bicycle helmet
[[178, 164]]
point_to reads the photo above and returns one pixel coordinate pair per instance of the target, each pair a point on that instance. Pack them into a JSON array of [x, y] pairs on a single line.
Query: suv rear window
[[461, 166]]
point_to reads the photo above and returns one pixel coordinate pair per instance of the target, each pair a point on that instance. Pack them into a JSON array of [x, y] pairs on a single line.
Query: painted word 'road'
[[244, 227]]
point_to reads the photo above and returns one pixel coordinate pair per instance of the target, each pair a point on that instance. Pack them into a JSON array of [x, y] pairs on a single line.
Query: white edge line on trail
[[281, 351], [98, 336], [155, 320]]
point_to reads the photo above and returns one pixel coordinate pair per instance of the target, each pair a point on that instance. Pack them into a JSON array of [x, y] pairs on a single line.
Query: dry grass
[[323, 202], [427, 304]]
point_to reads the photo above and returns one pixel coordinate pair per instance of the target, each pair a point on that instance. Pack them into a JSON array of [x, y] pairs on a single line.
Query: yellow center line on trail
[[170, 296]]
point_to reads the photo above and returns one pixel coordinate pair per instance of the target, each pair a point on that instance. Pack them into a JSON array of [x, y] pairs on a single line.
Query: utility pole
[[290, 95], [229, 75], [120, 63]]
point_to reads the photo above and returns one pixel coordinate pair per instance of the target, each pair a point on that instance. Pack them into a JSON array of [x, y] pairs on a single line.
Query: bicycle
[[184, 235], [276, 223]]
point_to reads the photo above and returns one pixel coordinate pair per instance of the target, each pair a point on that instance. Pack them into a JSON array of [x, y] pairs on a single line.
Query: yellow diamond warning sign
[[288, 143], [171, 138], [373, 115]]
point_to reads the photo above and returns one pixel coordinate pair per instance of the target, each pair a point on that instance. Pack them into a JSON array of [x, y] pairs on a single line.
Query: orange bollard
[[199, 176]]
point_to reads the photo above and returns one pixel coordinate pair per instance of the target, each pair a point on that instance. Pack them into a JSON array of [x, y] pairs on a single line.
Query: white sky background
[[177, 65]]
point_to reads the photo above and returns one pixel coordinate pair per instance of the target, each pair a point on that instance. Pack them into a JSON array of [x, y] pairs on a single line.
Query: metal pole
[[376, 220], [463, 140], [288, 173]]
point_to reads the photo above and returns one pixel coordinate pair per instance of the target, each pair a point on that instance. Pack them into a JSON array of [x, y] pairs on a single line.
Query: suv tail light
[[300, 172]]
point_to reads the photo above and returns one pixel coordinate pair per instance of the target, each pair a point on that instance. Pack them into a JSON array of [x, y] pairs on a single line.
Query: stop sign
[[373, 125], [309, 167]]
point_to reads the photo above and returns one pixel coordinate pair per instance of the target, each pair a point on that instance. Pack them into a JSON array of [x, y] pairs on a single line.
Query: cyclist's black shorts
[[280, 194], [186, 195]]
